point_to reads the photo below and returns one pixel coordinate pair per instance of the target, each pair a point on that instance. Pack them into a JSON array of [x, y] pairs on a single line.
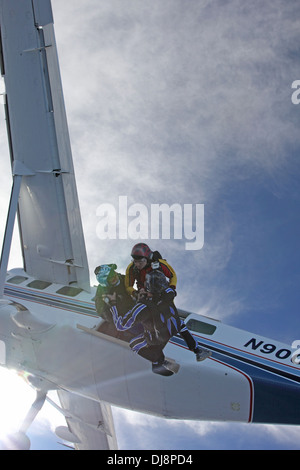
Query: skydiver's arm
[[126, 321], [129, 279], [168, 272]]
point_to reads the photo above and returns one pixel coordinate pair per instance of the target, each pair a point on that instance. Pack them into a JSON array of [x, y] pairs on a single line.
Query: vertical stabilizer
[[48, 211]]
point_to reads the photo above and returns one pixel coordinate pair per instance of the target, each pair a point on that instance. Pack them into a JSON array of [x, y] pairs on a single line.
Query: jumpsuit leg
[[201, 353], [154, 353], [188, 338]]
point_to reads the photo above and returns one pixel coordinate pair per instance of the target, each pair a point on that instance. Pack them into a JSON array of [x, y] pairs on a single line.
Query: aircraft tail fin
[[49, 217]]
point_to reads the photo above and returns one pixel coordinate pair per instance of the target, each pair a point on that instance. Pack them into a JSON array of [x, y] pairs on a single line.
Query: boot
[[162, 368], [202, 353]]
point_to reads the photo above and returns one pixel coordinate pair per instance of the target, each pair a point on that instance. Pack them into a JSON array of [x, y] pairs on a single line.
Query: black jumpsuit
[[160, 321]]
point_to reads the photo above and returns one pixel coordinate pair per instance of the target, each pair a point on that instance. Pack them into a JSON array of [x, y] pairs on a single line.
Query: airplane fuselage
[[248, 379]]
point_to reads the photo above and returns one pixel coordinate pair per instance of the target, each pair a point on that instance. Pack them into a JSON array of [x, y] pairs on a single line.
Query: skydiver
[[153, 281], [158, 315], [110, 281], [143, 261]]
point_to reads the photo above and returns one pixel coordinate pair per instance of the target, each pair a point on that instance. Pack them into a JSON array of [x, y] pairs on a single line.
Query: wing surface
[[90, 422], [49, 218]]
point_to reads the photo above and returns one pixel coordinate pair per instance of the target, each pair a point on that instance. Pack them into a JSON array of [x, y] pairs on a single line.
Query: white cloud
[[158, 433], [172, 104]]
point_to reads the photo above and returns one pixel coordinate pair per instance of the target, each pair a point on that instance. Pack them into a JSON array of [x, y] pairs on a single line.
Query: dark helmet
[[155, 282], [141, 250]]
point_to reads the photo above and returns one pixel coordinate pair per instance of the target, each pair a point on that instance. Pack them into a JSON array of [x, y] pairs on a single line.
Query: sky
[[189, 102]]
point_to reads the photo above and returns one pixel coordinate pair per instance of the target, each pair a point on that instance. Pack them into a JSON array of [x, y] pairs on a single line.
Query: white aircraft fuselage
[[248, 379]]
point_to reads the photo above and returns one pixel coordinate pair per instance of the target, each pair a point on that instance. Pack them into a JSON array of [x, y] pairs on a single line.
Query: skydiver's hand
[[168, 294], [111, 297], [142, 294], [134, 295]]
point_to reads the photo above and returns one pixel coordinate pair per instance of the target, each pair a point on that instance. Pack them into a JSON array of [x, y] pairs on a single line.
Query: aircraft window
[[17, 279], [70, 291], [39, 284], [201, 327]]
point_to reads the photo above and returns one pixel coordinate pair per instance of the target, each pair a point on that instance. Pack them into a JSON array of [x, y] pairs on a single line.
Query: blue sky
[[189, 102]]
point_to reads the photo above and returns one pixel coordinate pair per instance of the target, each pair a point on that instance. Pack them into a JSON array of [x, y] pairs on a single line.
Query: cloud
[[174, 104], [162, 434], [183, 99], [186, 83]]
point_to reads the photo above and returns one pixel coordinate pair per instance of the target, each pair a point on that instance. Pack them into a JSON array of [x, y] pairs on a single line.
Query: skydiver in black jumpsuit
[[159, 317]]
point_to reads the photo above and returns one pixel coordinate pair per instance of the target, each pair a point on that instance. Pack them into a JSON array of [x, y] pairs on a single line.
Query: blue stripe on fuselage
[[276, 391]]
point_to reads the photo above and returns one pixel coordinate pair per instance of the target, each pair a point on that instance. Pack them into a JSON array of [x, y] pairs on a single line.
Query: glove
[[168, 295], [156, 256]]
